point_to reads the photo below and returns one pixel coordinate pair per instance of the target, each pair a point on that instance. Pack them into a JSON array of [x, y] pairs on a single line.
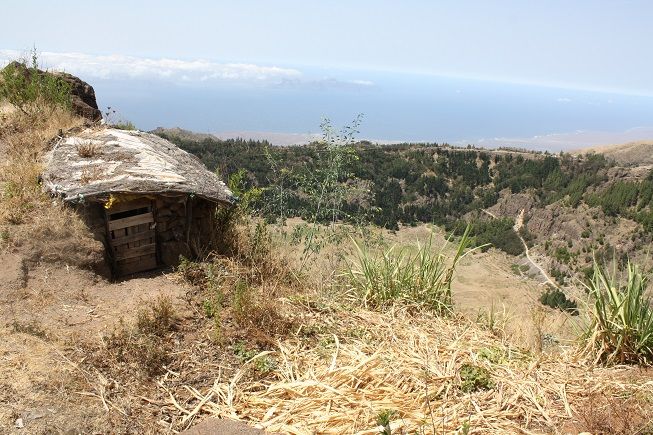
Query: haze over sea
[[540, 74], [396, 107]]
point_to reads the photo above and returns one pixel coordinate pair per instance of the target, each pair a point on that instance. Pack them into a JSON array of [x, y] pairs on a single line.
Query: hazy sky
[[587, 46]]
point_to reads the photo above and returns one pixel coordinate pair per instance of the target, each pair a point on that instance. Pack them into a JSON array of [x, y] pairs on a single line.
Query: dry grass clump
[[619, 414], [145, 346], [429, 374], [242, 304], [44, 228], [24, 143], [88, 149]]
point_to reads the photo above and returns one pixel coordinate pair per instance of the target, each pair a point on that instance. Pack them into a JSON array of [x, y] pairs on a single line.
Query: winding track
[[519, 222]]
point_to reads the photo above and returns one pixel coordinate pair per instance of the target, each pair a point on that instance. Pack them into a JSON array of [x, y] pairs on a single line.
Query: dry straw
[[410, 364]]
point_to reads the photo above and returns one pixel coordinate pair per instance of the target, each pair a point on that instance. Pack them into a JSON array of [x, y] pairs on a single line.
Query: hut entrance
[[131, 236]]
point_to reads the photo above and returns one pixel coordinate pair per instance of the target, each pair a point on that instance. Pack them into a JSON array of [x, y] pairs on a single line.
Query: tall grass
[[621, 328], [401, 275]]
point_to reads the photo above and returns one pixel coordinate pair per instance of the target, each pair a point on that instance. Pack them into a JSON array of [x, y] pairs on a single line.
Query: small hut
[[147, 200]]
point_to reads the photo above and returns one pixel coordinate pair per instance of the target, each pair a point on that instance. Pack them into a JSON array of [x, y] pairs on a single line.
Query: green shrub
[[31, 90], [124, 125], [496, 232], [621, 328], [474, 378], [558, 275], [555, 298], [422, 278], [562, 255]]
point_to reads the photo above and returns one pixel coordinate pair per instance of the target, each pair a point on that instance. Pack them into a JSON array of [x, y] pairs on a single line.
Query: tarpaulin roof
[[98, 162]]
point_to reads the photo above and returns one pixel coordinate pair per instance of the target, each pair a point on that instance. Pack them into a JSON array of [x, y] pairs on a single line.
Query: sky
[[419, 70]]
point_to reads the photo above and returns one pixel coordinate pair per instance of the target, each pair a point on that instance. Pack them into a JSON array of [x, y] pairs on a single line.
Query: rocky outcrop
[[82, 97], [82, 94]]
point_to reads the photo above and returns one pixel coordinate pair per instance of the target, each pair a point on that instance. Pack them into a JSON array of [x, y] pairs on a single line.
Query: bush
[[31, 90], [555, 298], [497, 232], [158, 320], [474, 378], [621, 328], [423, 278]]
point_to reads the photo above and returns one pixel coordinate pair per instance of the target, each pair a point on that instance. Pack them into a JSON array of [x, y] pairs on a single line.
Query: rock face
[[82, 97], [82, 94]]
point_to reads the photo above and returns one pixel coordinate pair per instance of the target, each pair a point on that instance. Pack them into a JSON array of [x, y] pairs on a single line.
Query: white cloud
[[564, 100], [117, 66], [120, 67]]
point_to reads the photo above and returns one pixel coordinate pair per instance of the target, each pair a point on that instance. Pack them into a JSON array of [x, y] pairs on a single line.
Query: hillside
[[628, 154], [575, 207], [181, 134], [327, 301]]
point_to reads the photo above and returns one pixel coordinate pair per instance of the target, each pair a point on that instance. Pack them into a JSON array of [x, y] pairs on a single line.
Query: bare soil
[[48, 314]]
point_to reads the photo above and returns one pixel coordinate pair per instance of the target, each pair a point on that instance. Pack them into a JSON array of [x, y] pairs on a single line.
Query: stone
[[82, 96], [214, 426]]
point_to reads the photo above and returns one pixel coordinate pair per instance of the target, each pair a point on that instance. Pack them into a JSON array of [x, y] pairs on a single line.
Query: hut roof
[[96, 163]]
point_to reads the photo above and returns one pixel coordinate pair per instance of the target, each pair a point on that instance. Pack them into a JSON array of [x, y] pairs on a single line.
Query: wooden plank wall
[[132, 238]]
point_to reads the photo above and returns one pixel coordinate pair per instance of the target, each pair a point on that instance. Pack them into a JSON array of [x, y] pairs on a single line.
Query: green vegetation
[[621, 328], [32, 91], [495, 232], [422, 278], [555, 298], [124, 125], [474, 378], [383, 419], [340, 179]]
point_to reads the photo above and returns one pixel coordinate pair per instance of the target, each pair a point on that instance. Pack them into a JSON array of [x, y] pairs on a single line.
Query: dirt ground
[[51, 314], [47, 312]]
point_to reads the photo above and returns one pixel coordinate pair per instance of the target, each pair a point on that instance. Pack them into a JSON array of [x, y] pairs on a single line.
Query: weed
[[383, 419], [32, 91], [263, 364], [113, 119], [474, 378], [89, 175], [145, 345], [492, 354], [210, 308], [423, 278], [124, 125], [191, 271], [493, 321], [158, 320], [241, 351], [621, 328], [464, 429], [88, 149], [242, 302]]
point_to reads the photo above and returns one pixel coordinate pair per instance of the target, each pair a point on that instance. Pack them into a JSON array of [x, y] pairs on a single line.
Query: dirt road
[[519, 222]]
